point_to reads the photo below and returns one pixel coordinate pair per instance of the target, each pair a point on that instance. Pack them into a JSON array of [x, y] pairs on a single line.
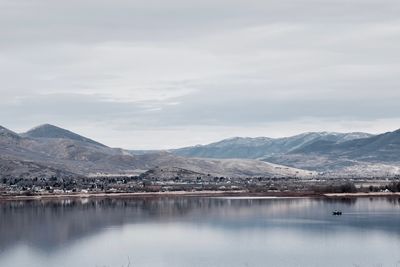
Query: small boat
[[336, 213]]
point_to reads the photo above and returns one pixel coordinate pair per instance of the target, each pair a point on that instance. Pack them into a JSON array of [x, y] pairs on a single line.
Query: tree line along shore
[[120, 185]]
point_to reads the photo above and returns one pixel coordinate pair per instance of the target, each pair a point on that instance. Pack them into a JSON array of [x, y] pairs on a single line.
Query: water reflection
[[53, 226]]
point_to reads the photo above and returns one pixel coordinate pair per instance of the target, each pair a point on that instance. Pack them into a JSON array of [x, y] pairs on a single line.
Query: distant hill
[[47, 149], [260, 147], [51, 131], [8, 135], [380, 148], [13, 168], [332, 154], [376, 155]]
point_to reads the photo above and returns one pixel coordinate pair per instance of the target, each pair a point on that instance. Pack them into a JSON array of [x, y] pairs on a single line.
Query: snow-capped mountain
[[260, 147], [49, 150]]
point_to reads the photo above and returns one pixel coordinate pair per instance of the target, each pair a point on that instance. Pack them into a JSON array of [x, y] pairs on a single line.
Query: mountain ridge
[[53, 148], [259, 147], [4, 132], [48, 150], [52, 131]]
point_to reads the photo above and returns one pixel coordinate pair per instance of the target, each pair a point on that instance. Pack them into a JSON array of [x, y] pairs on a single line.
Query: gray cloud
[[154, 68]]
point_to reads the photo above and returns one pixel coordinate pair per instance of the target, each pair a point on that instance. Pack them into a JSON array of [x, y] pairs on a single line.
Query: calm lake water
[[184, 232]]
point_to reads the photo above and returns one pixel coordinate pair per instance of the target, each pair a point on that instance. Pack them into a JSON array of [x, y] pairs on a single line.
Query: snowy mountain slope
[[260, 147], [50, 131], [65, 151]]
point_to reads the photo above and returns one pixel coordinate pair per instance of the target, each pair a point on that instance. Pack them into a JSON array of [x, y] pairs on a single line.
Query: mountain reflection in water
[[52, 227]]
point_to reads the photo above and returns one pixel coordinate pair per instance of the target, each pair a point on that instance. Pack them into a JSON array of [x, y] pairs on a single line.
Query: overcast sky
[[170, 73]]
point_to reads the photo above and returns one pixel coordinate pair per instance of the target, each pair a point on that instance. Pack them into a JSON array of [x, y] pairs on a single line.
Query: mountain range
[[343, 154], [48, 150], [260, 147]]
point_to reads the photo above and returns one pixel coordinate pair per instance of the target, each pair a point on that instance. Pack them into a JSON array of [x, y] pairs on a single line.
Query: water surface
[[188, 231]]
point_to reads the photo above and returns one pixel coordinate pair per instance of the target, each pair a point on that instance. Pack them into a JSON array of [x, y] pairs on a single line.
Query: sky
[[171, 73]]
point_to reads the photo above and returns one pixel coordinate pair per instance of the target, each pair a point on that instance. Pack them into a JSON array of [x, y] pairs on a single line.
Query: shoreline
[[157, 195], [195, 194], [362, 194]]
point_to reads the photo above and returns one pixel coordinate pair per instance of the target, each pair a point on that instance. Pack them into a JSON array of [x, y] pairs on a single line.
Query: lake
[[193, 231]]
